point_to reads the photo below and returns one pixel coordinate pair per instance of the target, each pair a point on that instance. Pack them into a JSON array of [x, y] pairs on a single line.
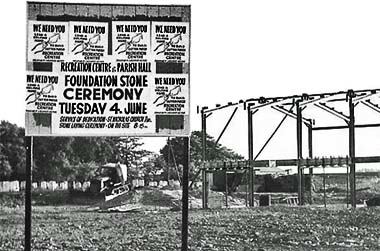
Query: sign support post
[[185, 194], [28, 193]]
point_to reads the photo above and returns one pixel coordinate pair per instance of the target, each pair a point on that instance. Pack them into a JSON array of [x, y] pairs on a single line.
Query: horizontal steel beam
[[315, 95], [244, 164], [221, 107], [324, 162], [295, 97], [343, 127], [336, 100], [369, 159], [318, 99], [314, 162], [270, 103]]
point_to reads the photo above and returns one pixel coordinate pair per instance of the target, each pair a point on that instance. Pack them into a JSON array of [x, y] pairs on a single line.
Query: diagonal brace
[[364, 96], [274, 133], [225, 127], [371, 105], [290, 113], [332, 111]]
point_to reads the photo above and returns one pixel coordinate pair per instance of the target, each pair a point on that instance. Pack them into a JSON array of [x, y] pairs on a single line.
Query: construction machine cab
[[117, 173], [111, 179]]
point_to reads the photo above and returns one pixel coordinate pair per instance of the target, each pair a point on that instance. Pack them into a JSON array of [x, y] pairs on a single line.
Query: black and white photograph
[[190, 125]]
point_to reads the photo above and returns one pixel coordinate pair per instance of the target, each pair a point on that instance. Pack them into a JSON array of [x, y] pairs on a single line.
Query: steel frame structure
[[300, 102]]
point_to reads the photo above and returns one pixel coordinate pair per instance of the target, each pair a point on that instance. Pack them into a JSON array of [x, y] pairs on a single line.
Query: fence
[[279, 188], [17, 186], [329, 188], [334, 188]]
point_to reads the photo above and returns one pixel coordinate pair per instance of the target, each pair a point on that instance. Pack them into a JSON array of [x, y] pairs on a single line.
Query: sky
[[248, 49]]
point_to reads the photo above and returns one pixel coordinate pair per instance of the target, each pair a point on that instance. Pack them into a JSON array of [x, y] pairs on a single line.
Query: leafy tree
[[92, 149], [5, 167], [12, 154], [52, 158], [63, 158], [84, 171], [77, 158], [105, 150], [214, 151], [169, 172], [173, 152], [128, 151]]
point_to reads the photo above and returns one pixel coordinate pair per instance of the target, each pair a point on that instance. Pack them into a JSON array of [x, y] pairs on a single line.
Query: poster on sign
[[47, 41], [170, 41], [41, 92], [88, 40], [131, 40], [171, 93]]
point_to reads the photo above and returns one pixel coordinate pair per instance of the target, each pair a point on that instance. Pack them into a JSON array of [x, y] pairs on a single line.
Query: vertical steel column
[[204, 173], [324, 186], [250, 160], [348, 186], [185, 194], [311, 171], [351, 128], [299, 153], [246, 188], [28, 192], [226, 181]]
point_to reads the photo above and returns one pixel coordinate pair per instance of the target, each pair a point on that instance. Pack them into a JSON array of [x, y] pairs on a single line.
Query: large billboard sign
[[115, 78]]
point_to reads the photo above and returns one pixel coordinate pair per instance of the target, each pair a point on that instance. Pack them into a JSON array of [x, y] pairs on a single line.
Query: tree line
[[78, 158]]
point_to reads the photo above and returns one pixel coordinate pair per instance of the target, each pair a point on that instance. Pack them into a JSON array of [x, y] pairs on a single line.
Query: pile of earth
[[147, 199]]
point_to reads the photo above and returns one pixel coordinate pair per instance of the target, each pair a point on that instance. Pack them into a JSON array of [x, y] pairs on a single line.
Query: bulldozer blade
[[117, 201]]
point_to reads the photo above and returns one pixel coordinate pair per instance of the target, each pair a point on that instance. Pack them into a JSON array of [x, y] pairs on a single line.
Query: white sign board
[[98, 79]]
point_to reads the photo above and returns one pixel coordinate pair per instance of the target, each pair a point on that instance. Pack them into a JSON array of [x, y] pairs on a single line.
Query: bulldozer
[[110, 181]]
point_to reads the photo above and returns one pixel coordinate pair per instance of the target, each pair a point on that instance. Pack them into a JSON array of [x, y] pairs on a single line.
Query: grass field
[[271, 228]]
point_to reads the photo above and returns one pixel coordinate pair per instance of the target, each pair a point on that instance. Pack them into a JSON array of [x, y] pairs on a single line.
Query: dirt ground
[[262, 228]]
